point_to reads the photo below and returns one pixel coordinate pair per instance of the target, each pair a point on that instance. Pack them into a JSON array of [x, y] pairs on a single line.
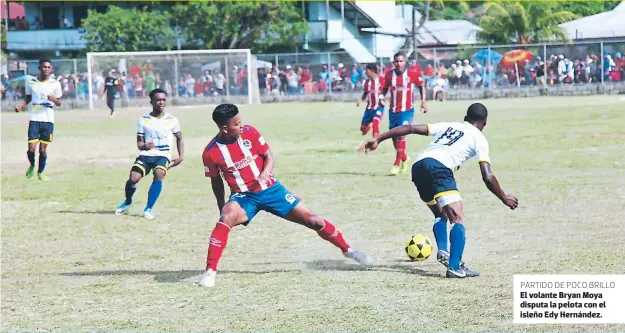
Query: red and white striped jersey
[[400, 86], [373, 88], [239, 161]]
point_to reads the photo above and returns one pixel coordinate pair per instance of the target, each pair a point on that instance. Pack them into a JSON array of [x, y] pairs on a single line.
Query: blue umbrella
[[482, 56]]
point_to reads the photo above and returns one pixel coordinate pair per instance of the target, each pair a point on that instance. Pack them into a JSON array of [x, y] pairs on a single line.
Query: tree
[[127, 30], [523, 22], [254, 25]]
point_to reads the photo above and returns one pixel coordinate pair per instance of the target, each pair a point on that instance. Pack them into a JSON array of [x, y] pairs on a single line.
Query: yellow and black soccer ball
[[418, 248]]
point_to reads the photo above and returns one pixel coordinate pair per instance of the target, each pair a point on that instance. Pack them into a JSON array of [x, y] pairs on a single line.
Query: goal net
[[190, 77]]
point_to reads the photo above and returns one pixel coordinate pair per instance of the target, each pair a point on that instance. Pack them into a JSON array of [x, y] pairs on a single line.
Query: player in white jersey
[[155, 140], [45, 94], [432, 173]]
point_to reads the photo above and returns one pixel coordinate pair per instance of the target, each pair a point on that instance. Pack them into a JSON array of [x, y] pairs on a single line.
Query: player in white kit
[[155, 139], [45, 94], [433, 175]]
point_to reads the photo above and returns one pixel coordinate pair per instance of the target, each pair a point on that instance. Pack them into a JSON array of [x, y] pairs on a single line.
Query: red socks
[[218, 241], [402, 149], [365, 129], [330, 233], [376, 127]]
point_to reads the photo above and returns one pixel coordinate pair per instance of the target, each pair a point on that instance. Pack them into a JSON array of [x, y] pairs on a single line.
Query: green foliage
[[523, 22], [588, 8], [128, 30], [256, 25]]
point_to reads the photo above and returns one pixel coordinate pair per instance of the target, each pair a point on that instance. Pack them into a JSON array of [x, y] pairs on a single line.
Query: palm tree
[[523, 22]]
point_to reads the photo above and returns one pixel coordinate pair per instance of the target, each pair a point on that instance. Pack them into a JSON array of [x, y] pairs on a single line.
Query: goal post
[[190, 77]]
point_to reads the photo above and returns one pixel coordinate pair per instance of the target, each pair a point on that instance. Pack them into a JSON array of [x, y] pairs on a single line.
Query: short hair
[[223, 113], [43, 61], [476, 113], [399, 54], [373, 67], [156, 91]]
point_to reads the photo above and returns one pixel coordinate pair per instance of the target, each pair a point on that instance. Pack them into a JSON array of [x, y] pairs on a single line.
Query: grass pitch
[[69, 264]]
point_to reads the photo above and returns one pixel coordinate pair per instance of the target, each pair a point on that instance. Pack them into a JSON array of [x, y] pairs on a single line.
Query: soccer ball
[[418, 248]]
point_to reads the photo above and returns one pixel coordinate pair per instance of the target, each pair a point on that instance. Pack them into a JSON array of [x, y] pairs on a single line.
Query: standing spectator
[[292, 81], [138, 86], [540, 74], [220, 83], [355, 76], [326, 78], [189, 85], [150, 81], [207, 81]]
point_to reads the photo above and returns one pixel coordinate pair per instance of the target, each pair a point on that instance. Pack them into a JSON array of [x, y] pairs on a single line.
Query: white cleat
[[208, 279], [122, 208], [359, 256], [147, 213]]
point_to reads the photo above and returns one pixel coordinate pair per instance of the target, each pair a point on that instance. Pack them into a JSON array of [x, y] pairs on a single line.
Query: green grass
[[69, 264]]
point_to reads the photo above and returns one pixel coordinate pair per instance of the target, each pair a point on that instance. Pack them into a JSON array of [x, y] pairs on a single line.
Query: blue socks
[[31, 157], [43, 157], [440, 233], [130, 190], [154, 192], [457, 240]]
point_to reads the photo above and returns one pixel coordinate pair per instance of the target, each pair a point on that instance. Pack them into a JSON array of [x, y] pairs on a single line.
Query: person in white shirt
[[433, 175], [155, 140], [45, 94]]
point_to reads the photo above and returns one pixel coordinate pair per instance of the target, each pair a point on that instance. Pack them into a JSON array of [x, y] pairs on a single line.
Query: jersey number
[[451, 135]]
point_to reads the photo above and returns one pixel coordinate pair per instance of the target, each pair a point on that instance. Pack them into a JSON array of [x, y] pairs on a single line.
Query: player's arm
[[180, 147], [363, 97], [27, 100], [142, 145], [269, 162], [219, 191], [420, 129], [493, 185], [388, 76], [418, 81]]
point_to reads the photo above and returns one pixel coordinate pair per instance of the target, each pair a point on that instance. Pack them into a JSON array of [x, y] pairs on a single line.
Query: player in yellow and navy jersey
[[45, 94], [155, 140]]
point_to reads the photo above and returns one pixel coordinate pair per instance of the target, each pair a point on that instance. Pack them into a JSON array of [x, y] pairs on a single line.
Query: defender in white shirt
[[155, 140], [432, 173], [45, 94]]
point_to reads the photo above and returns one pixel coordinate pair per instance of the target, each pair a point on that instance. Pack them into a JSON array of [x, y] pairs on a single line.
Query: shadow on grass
[[340, 173], [94, 212], [316, 265]]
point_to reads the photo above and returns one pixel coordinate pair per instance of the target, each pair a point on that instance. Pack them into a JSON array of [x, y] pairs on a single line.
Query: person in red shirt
[[241, 155], [401, 110], [375, 107]]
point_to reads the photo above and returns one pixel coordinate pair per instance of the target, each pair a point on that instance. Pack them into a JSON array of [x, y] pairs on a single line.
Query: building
[[333, 26], [606, 25]]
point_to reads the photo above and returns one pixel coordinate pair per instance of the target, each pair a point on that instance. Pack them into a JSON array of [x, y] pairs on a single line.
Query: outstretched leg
[[303, 215], [129, 191], [453, 213], [155, 191]]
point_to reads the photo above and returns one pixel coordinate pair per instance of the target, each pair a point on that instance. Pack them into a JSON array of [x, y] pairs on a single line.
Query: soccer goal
[[190, 77]]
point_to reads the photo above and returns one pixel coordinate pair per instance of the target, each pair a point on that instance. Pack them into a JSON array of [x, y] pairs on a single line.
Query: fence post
[[174, 85], [435, 59], [75, 66], [227, 76], [89, 82], [329, 73], [490, 69], [602, 57], [546, 77], [276, 60]]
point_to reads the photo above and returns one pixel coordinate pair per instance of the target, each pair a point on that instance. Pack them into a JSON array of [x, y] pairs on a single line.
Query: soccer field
[[70, 264]]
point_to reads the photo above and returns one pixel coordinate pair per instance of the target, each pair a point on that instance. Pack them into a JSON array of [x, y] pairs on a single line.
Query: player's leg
[[365, 123], [377, 119], [33, 141], [239, 210], [406, 119], [137, 172], [110, 102], [303, 215], [160, 171], [45, 138], [452, 210]]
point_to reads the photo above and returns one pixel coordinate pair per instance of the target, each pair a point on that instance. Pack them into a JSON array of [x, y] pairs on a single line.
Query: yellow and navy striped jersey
[[160, 131]]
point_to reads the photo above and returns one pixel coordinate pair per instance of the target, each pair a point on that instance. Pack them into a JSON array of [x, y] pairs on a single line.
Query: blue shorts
[[396, 119], [39, 131], [433, 179], [367, 117], [276, 200]]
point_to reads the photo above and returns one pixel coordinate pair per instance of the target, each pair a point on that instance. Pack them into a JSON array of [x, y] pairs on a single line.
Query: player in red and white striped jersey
[[375, 107], [241, 155], [401, 110]]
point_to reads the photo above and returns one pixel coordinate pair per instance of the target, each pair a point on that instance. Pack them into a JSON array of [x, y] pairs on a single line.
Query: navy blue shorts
[[396, 119], [367, 117], [433, 179], [39, 131], [145, 164], [276, 200]]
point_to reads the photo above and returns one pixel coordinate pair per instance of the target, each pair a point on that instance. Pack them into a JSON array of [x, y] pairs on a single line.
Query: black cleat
[[443, 257], [461, 273]]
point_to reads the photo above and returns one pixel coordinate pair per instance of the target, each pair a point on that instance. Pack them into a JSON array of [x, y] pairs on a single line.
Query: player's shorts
[[367, 117], [145, 164], [396, 119], [39, 131], [435, 182], [276, 200]]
